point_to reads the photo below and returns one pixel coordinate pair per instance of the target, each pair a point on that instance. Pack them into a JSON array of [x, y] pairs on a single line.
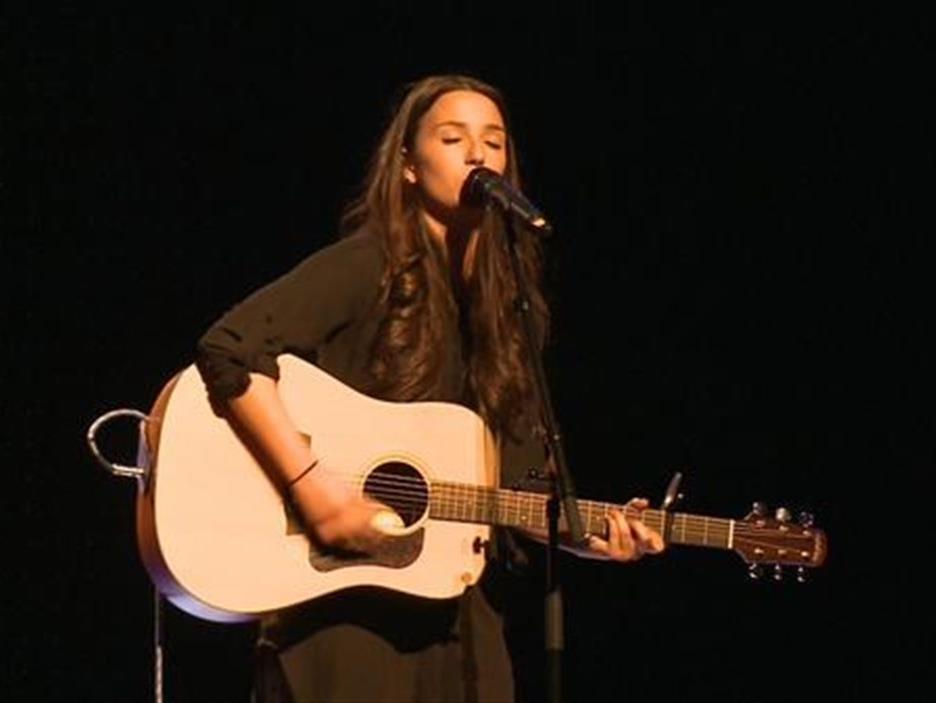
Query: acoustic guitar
[[221, 543]]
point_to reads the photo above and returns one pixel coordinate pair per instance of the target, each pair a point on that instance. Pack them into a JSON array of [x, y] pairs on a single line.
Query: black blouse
[[326, 310]]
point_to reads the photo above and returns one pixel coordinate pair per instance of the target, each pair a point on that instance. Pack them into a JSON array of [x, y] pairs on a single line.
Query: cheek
[[497, 161], [442, 177]]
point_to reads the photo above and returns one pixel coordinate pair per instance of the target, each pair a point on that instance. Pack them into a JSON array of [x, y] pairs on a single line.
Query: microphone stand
[[562, 490]]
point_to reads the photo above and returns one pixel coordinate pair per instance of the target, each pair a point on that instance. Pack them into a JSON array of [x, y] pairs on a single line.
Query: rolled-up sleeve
[[294, 314]]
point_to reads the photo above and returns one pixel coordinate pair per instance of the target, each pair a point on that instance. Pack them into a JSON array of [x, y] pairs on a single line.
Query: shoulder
[[354, 260], [345, 275], [359, 248]]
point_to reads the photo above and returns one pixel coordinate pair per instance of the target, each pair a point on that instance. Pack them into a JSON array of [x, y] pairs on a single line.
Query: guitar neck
[[508, 508]]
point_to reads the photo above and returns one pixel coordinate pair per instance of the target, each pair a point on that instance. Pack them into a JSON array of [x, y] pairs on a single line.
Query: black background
[[739, 293]]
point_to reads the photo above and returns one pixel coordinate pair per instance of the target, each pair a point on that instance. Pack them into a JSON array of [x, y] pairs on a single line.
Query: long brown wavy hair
[[419, 307]]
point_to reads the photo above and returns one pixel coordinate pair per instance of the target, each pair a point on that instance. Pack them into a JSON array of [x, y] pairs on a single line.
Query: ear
[[409, 170]]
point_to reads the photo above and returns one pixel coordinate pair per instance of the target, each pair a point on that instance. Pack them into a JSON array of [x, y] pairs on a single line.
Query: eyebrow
[[464, 125]]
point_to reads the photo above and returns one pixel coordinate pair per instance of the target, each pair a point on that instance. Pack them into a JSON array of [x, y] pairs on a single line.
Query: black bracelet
[[296, 479]]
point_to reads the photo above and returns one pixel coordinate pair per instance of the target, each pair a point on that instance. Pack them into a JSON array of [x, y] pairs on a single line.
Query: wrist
[[291, 484], [312, 498]]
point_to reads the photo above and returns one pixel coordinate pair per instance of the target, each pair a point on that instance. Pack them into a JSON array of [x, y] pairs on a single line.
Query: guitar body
[[219, 540]]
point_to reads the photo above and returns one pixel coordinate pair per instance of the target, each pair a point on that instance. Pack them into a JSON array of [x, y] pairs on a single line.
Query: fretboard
[[499, 506]]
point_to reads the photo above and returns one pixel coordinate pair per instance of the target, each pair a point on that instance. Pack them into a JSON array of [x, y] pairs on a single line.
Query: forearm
[[285, 452], [260, 412]]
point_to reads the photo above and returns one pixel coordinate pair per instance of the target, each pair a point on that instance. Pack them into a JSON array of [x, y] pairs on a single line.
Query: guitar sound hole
[[400, 487]]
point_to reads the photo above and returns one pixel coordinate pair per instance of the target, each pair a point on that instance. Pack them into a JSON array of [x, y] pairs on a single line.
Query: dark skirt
[[372, 645]]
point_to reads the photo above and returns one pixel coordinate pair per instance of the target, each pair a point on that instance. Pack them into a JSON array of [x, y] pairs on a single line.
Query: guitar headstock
[[778, 540]]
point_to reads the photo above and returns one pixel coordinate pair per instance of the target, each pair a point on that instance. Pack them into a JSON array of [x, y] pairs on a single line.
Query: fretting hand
[[628, 539]]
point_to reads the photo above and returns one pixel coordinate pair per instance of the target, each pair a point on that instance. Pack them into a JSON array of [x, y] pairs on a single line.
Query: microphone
[[483, 186]]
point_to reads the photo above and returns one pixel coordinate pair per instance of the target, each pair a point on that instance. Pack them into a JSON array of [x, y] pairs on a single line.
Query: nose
[[475, 153]]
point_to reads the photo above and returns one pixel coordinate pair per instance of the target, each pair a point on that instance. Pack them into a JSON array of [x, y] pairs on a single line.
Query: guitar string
[[396, 485], [505, 501], [688, 534], [713, 527], [453, 492], [438, 488], [388, 482]]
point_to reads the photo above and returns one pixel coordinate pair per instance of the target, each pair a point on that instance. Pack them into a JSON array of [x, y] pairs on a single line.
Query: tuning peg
[[806, 519], [801, 574], [782, 515], [755, 571], [759, 509], [777, 572]]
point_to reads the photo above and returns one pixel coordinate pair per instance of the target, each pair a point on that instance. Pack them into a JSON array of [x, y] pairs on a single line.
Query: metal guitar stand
[[141, 474]]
